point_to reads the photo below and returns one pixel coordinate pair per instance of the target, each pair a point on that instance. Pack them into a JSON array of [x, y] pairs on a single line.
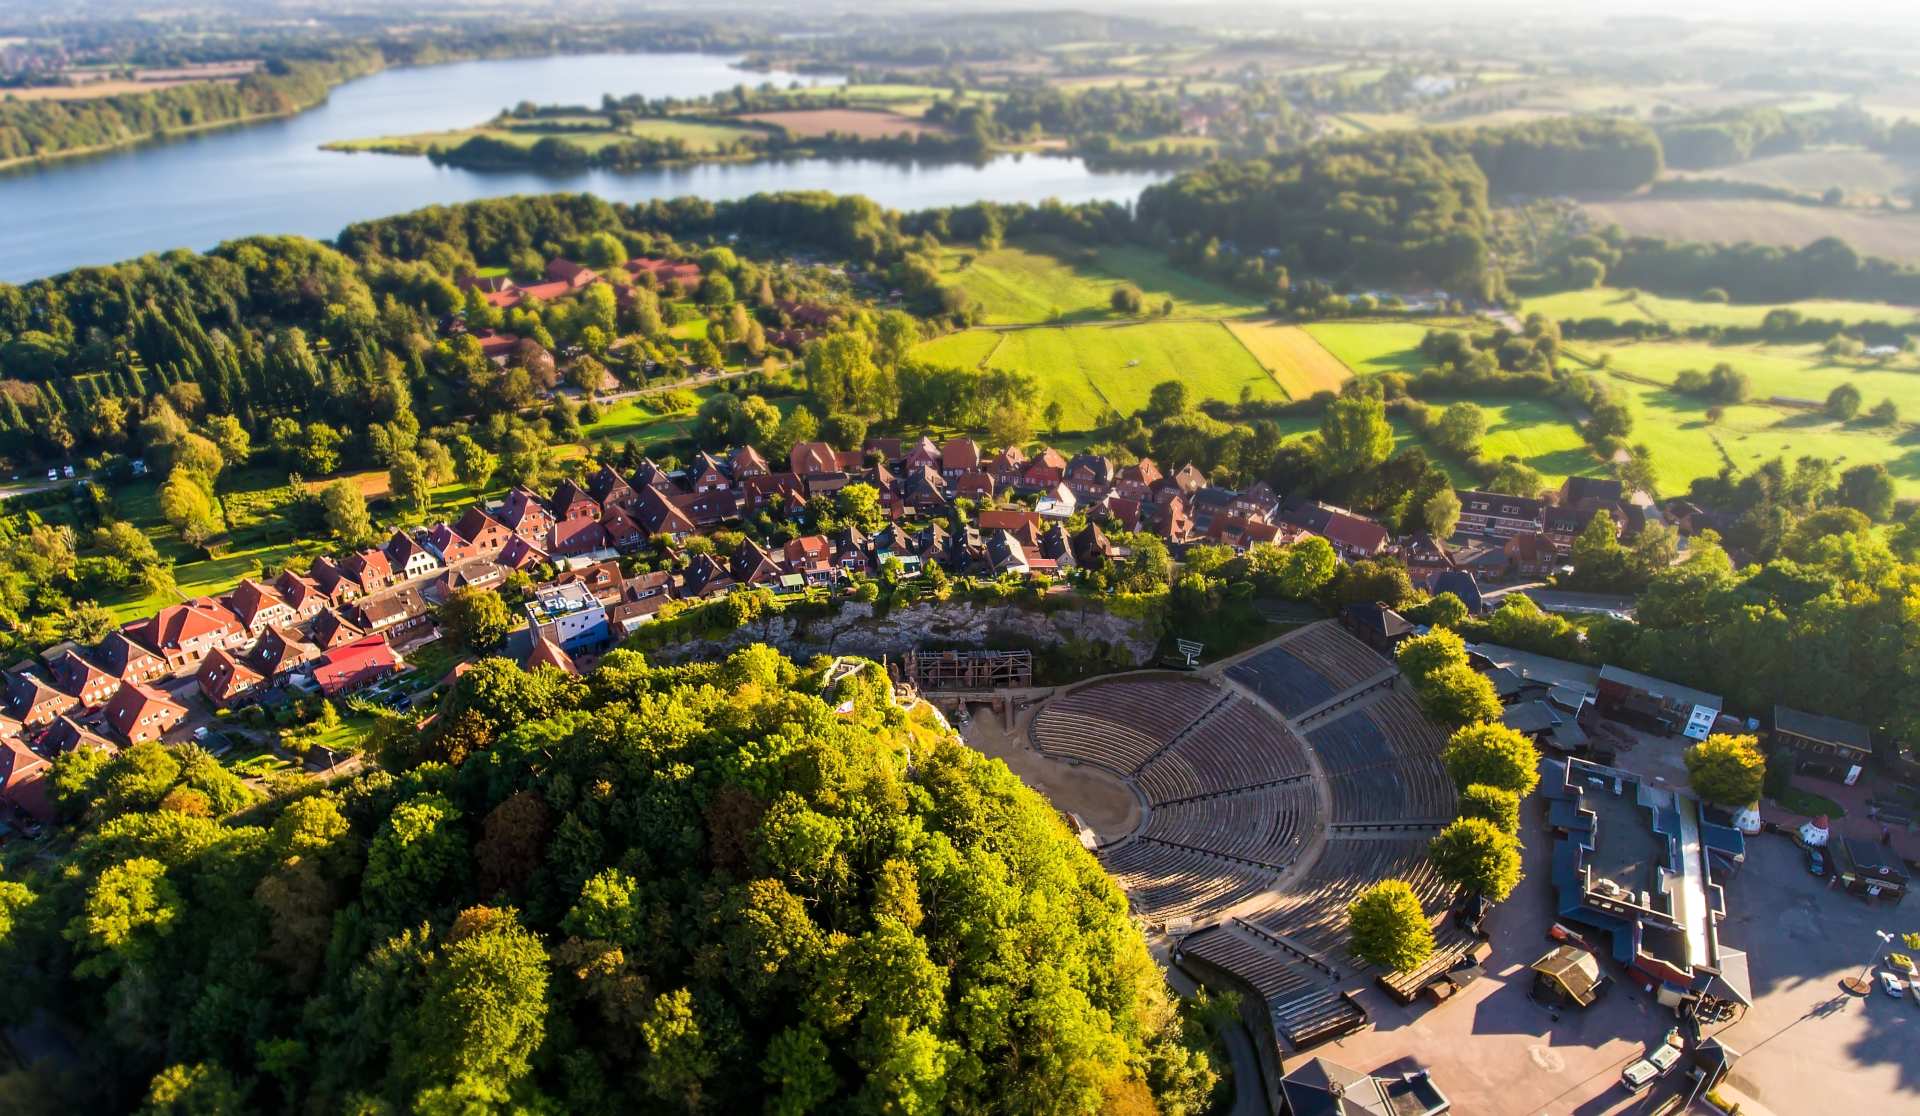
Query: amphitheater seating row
[[1336, 655], [1288, 684], [1064, 734], [1317, 1017], [1383, 764], [1239, 746], [1269, 825], [1314, 911], [1120, 724], [1167, 883], [1261, 967]]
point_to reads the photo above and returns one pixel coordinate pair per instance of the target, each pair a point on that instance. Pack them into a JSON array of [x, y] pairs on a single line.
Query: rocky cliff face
[[854, 630]]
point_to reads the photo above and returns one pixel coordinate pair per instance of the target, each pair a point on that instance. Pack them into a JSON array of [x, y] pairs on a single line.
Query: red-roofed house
[[526, 515], [811, 557], [519, 554], [33, 701], [128, 661], [812, 459], [574, 537], [959, 456], [349, 667], [545, 652], [225, 680], [23, 780], [448, 545], [183, 634], [371, 569], [1046, 469], [141, 713], [302, 595], [256, 606], [570, 501], [572, 274], [623, 532], [483, 532], [409, 558], [84, 680]]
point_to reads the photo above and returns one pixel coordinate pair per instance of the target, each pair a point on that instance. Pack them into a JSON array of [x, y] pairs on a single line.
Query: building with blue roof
[[1634, 863]]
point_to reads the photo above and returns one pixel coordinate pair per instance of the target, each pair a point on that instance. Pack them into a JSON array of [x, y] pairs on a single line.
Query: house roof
[[343, 662], [545, 652], [23, 778], [1318, 1087], [1823, 730], [65, 734], [134, 702], [250, 598], [118, 653]]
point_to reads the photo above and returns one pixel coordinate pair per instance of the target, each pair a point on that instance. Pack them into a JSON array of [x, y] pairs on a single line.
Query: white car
[[1892, 985]]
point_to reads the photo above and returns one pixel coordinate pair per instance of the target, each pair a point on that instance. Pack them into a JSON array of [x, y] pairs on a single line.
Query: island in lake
[[881, 118]]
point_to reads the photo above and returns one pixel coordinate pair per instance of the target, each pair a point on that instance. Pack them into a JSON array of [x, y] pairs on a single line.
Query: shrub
[[1389, 928]]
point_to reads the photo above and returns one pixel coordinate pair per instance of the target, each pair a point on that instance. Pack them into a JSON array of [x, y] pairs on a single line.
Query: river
[[195, 191]]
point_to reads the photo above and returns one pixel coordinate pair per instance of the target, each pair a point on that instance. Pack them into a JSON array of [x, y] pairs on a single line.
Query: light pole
[[1863, 984]]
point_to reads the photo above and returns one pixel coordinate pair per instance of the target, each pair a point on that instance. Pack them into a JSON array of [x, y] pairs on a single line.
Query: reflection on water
[[195, 191]]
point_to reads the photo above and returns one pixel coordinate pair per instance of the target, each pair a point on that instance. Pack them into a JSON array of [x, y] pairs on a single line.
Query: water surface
[[196, 191]]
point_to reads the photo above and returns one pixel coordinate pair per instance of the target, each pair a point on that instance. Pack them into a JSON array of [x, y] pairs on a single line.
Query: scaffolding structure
[[932, 671]]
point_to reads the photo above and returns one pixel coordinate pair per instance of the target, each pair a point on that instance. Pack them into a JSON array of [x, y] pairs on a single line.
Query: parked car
[[1649, 1069], [1816, 862], [1892, 985], [53, 474]]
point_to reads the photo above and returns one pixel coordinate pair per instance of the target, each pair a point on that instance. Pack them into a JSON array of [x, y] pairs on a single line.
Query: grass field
[[1855, 170], [1039, 280], [1685, 445], [865, 123], [1795, 371], [967, 349], [1610, 302], [1894, 236], [1088, 369], [1369, 347], [1300, 364], [1539, 434]]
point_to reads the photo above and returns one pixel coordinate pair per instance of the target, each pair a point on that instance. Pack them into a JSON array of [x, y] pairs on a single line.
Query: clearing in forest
[[1300, 364]]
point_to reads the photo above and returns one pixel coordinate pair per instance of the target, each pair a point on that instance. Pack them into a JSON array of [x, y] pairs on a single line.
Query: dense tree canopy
[[698, 886]]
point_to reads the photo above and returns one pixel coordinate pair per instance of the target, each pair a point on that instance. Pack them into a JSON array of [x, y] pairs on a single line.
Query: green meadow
[[1684, 313], [1090, 369], [1043, 280]]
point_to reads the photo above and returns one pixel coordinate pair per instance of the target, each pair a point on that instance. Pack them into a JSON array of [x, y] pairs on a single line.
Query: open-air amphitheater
[[1273, 789]]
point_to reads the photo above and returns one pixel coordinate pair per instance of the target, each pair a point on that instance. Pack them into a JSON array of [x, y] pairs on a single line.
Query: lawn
[[1794, 371], [1894, 236], [1040, 280], [1682, 313], [1539, 434], [1089, 369], [1369, 347], [1300, 364]]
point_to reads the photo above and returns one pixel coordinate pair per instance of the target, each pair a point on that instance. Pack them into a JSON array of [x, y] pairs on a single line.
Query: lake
[[198, 190]]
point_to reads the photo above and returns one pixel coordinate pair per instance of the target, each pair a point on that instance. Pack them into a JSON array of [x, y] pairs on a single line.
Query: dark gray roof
[[1822, 729]]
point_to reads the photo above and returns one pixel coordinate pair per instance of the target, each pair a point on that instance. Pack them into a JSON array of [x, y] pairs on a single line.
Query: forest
[[699, 888], [41, 128]]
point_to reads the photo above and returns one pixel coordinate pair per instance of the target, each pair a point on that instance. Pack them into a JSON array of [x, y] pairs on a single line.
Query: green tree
[[320, 448], [1355, 435], [1441, 513], [407, 482], [1419, 657], [345, 510], [418, 852], [1388, 927], [1477, 855], [1843, 403], [199, 1089], [1492, 804], [473, 464], [1457, 695], [1461, 428], [1127, 299], [1492, 755], [1727, 770], [1868, 489], [485, 1008], [859, 504], [477, 617]]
